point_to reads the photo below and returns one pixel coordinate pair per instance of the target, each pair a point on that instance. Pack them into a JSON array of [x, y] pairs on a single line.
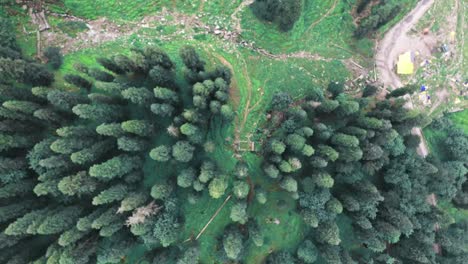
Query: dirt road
[[395, 42]]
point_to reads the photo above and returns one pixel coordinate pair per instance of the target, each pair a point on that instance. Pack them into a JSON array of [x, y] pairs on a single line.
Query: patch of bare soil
[[442, 96]]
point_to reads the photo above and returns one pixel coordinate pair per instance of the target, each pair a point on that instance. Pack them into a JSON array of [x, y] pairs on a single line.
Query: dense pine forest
[[82, 158]]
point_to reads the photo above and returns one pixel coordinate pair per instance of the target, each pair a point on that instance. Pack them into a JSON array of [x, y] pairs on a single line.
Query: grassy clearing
[[460, 119], [112, 9], [325, 37], [436, 16], [445, 73]]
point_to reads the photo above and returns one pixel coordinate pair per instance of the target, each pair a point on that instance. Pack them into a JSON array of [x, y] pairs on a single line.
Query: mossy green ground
[[325, 28]]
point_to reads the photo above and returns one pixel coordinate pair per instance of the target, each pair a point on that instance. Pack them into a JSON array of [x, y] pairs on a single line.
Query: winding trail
[[387, 51], [323, 17]]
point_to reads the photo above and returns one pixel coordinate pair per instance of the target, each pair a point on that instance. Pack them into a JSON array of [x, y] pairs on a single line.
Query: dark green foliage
[[114, 193], [140, 96], [409, 89], [369, 90], [78, 81], [7, 35], [381, 13], [110, 65], [281, 257], [29, 73], [161, 76], [54, 57], [307, 252], [132, 144], [186, 178], [98, 112], [161, 191], [191, 59], [78, 184], [166, 229], [161, 153], [138, 127], [115, 167], [190, 256], [59, 221], [182, 151], [232, 244], [65, 100], [283, 13], [81, 176], [100, 75], [328, 233], [281, 101], [241, 189], [93, 153]]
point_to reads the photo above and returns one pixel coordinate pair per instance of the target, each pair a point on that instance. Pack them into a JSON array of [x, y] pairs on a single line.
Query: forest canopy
[[127, 152]]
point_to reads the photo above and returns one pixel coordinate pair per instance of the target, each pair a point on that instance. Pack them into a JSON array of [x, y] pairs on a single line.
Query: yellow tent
[[405, 63]]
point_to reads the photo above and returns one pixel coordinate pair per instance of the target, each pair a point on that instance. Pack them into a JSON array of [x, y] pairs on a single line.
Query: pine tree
[[93, 153], [161, 153], [71, 236], [98, 112], [14, 210], [78, 81], [85, 223], [113, 88], [16, 188], [307, 252], [138, 127], [186, 178], [110, 129], [78, 184], [140, 96], [328, 233], [70, 145], [241, 189], [166, 229], [239, 213], [191, 59], [105, 218], [59, 221], [166, 94], [217, 187], [164, 110], [13, 141], [65, 100], [132, 201], [183, 151], [132, 144], [76, 131], [232, 244], [112, 194], [24, 107], [115, 167]]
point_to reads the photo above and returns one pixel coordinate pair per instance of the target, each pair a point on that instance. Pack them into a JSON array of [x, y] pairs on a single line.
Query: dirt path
[[236, 18], [323, 17], [394, 43], [390, 46]]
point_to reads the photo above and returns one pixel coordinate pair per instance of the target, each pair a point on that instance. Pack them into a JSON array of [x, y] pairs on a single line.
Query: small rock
[[217, 32]]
